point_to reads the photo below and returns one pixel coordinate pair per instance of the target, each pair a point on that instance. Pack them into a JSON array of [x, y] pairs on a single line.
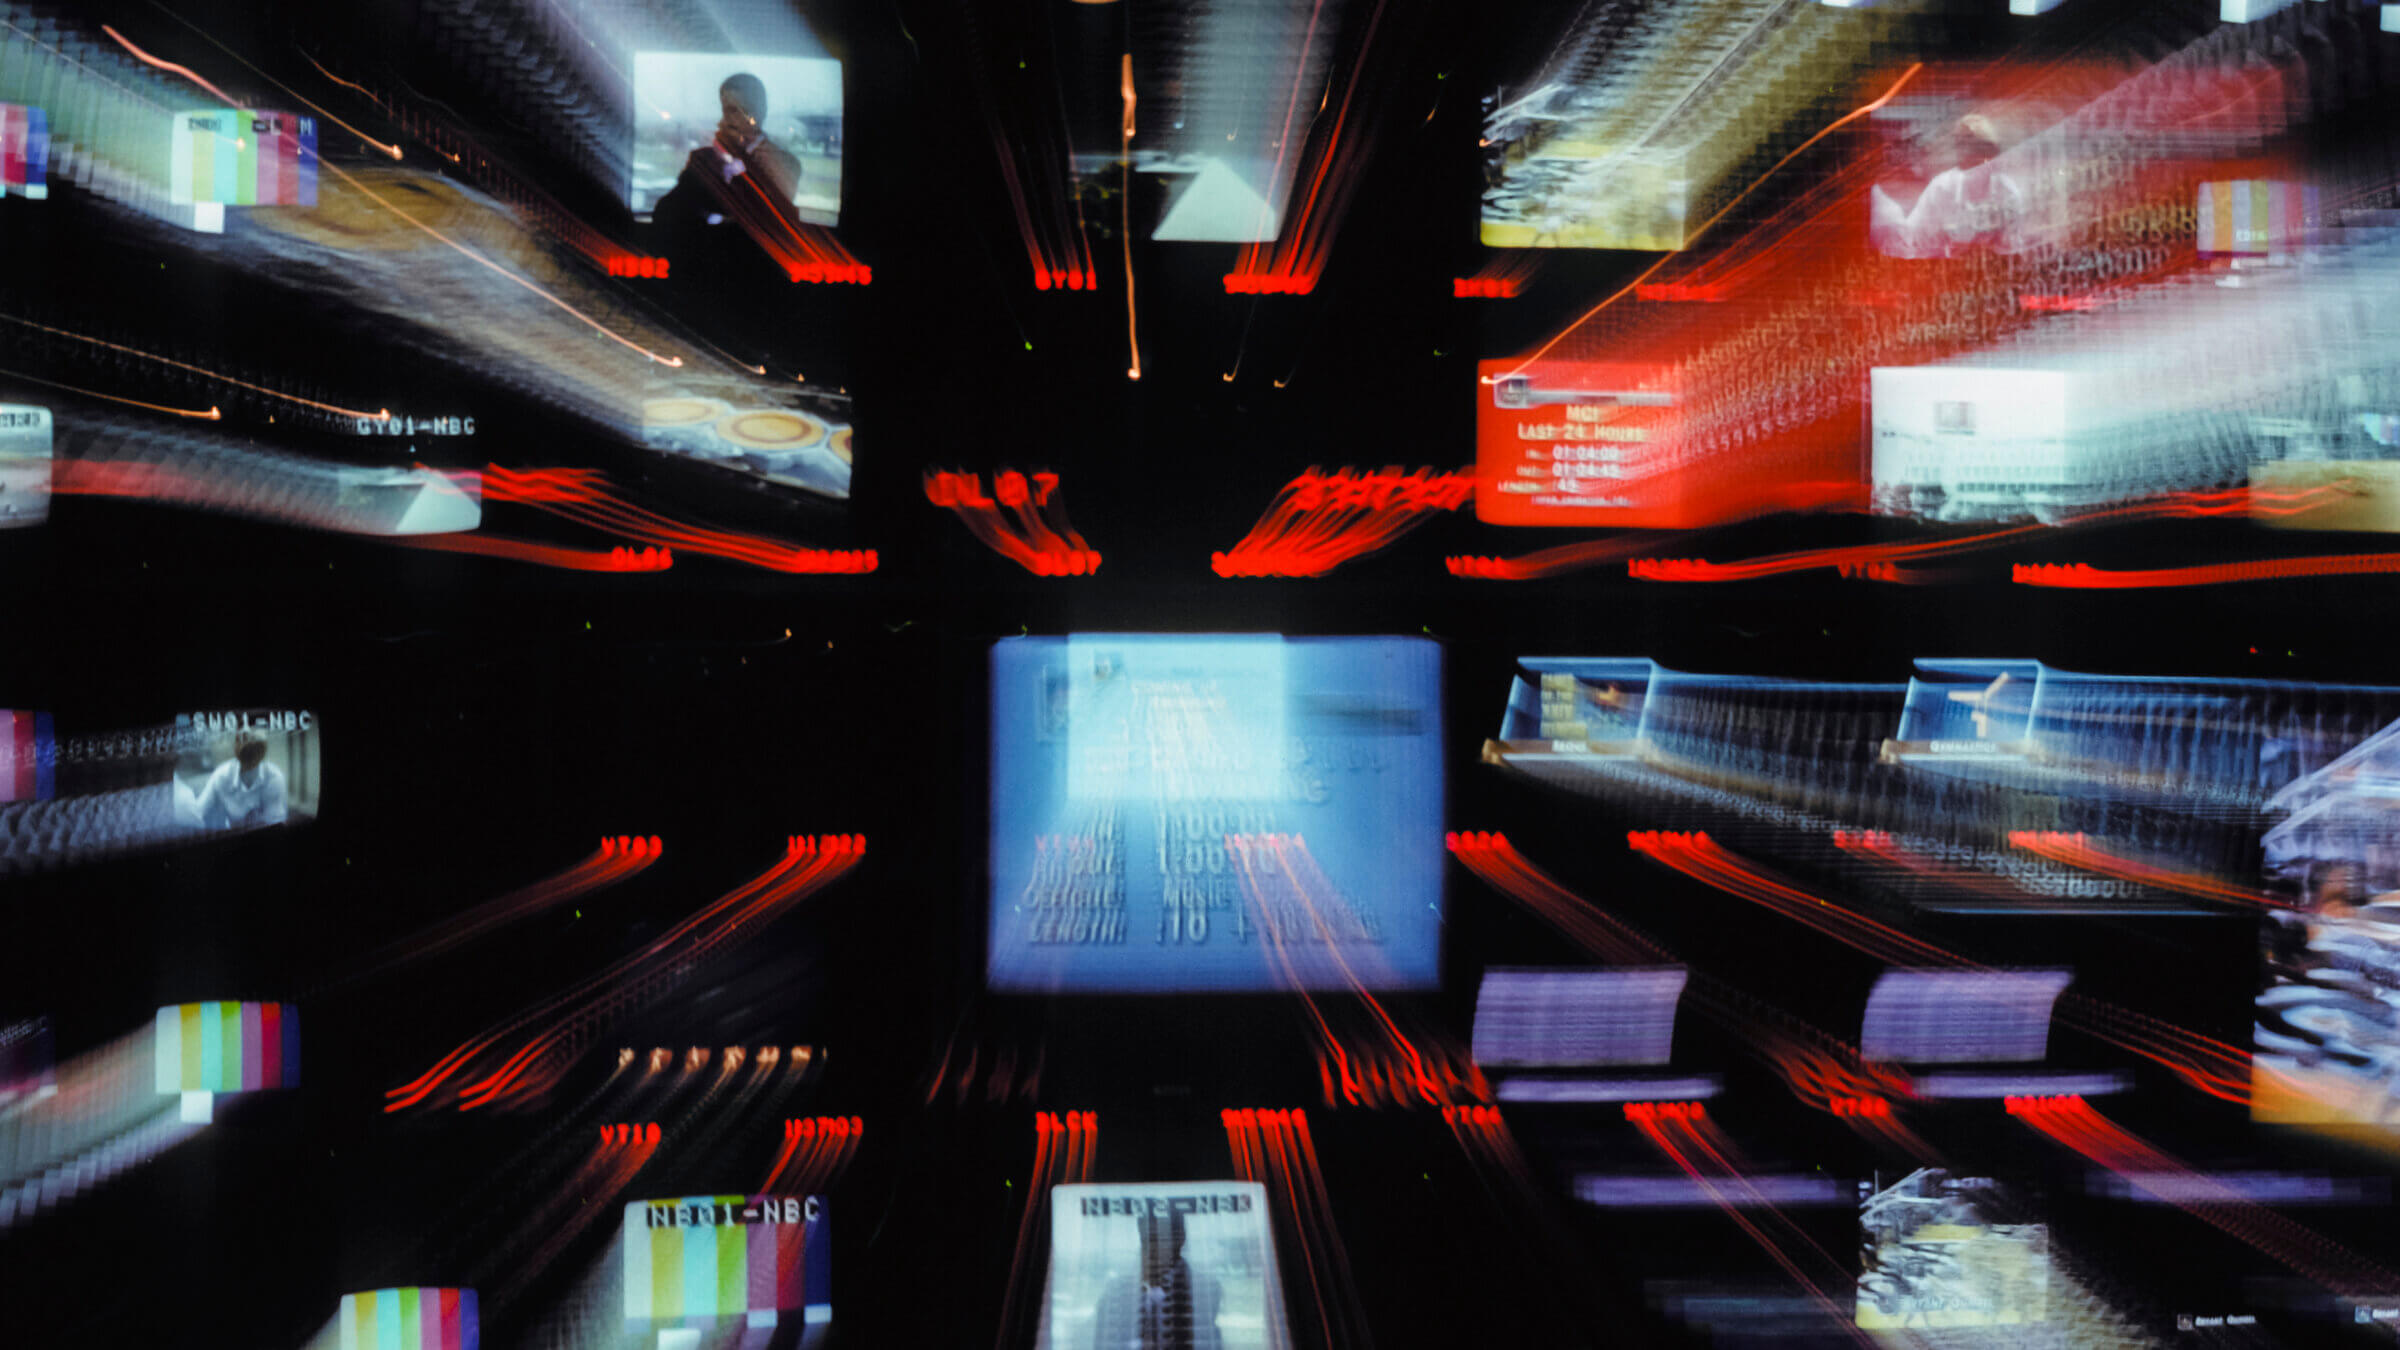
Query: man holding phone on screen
[[244, 790], [742, 178], [742, 145]]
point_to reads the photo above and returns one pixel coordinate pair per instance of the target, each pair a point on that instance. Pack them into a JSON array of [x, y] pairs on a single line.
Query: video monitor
[[775, 119], [798, 437], [245, 770], [1579, 444], [1530, 1018], [1162, 1263], [24, 151], [2255, 218], [226, 1047], [1959, 442], [1939, 1250], [762, 1259], [410, 1318], [28, 1061], [1215, 813], [24, 465], [2323, 1036], [1961, 1016], [28, 757]]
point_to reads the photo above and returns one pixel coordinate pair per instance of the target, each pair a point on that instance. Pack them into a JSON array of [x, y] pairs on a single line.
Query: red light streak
[[545, 555], [1021, 525], [1275, 1149], [1682, 1131], [2072, 1121], [1062, 1152], [1292, 260], [1550, 561], [2209, 1065], [2076, 850], [1502, 278], [1274, 866], [1320, 521], [554, 1027], [616, 860], [623, 1151], [815, 1152], [583, 496], [2083, 577]]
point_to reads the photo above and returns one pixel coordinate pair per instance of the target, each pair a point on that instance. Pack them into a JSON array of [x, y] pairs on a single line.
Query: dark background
[[484, 721]]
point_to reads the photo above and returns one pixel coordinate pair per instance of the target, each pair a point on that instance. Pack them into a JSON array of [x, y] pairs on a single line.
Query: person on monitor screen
[[244, 790], [739, 184], [742, 145], [1969, 204], [1167, 1307]]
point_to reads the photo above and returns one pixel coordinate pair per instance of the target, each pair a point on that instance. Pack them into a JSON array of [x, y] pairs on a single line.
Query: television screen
[[24, 465], [1942, 1250], [2323, 1030], [777, 119], [2254, 218], [1961, 1016], [1162, 1263], [756, 1257], [417, 1319], [1576, 1018], [1577, 443], [245, 770], [227, 1047], [1187, 813], [28, 757], [795, 437]]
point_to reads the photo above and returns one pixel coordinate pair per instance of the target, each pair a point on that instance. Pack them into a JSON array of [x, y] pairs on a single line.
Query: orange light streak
[[391, 150], [212, 415], [381, 415], [170, 67], [2083, 577], [1133, 342], [1738, 198]]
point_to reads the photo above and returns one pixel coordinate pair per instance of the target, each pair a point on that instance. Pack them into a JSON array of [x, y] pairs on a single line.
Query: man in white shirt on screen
[[245, 790]]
